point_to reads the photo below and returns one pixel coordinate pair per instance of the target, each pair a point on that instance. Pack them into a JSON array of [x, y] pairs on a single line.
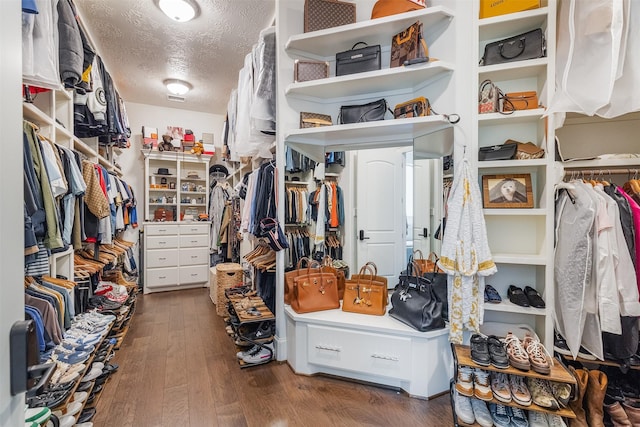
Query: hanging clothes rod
[[602, 171]]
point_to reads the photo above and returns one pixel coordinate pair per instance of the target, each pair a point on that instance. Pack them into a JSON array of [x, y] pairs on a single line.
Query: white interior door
[[380, 211]]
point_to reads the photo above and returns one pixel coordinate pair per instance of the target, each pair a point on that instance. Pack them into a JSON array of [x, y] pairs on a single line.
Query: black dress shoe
[[517, 296], [497, 352], [480, 350], [535, 300]]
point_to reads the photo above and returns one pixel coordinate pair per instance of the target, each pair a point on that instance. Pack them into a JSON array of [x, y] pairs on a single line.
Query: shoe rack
[[462, 357]]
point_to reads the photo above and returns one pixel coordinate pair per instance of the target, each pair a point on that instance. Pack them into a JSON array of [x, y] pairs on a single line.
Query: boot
[[633, 412], [596, 389], [582, 379], [617, 414]]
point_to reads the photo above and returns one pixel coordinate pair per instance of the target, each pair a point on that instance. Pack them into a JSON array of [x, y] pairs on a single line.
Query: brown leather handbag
[[321, 14], [327, 267], [408, 45], [365, 294], [315, 291], [426, 265], [290, 275], [527, 100], [391, 7]]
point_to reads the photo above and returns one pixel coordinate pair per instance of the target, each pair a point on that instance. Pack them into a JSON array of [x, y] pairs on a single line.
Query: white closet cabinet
[[369, 348], [520, 239]]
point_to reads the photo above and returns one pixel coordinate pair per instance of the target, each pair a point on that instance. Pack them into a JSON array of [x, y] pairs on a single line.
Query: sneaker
[[263, 354], [482, 385], [539, 358], [518, 417], [91, 375], [37, 415], [562, 392], [500, 387], [541, 393], [497, 352], [481, 413], [555, 421], [253, 349], [586, 354], [538, 419], [518, 356], [491, 295], [519, 390], [500, 415], [560, 345], [464, 410], [480, 350], [464, 383]]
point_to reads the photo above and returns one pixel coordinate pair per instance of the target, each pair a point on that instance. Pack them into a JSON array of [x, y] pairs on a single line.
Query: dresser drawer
[[194, 229], [162, 242], [160, 277], [194, 274], [160, 230], [162, 258], [363, 352], [194, 241], [195, 256]]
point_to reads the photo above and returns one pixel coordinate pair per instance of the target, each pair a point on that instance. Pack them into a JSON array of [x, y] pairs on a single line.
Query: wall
[[131, 161], [11, 214]]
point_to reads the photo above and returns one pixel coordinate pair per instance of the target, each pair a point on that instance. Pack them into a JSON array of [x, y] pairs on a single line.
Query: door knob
[[362, 235], [425, 232]]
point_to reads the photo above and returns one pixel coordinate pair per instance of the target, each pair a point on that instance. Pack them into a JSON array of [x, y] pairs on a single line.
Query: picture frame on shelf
[[507, 191]]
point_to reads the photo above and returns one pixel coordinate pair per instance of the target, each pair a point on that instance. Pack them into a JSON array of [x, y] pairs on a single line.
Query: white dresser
[[375, 349], [176, 255]]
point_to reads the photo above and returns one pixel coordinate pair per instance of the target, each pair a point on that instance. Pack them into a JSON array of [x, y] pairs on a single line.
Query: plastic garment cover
[[575, 216], [263, 114], [40, 46], [598, 58]]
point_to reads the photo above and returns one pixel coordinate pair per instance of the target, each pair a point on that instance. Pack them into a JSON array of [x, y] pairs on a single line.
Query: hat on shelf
[[193, 174], [163, 171], [219, 169]]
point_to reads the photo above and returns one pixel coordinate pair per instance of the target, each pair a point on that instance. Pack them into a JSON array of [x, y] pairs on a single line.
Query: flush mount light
[[177, 87], [179, 10]]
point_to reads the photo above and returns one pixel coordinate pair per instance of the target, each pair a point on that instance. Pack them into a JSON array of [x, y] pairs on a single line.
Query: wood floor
[[178, 368]]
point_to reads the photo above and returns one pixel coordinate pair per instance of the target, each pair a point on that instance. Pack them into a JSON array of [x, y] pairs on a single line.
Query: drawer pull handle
[[194, 229], [162, 243], [383, 357], [194, 274], [162, 277], [324, 347], [194, 256], [194, 241], [162, 258], [162, 230]]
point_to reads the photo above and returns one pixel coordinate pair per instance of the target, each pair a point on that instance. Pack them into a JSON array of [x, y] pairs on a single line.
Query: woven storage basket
[[228, 274]]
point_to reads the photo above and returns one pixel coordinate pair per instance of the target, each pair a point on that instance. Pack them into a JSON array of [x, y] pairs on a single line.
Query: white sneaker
[[538, 419], [481, 413], [464, 410], [555, 421], [262, 354], [242, 354]]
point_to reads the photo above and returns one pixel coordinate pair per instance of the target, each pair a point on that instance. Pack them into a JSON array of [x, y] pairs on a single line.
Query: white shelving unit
[[521, 240]]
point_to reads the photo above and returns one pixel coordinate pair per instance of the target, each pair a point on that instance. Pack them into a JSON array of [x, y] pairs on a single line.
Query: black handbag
[[370, 112], [358, 60], [528, 45], [415, 303], [438, 283], [498, 152]]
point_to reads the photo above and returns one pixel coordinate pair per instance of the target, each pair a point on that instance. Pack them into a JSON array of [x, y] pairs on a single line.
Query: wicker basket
[[228, 275]]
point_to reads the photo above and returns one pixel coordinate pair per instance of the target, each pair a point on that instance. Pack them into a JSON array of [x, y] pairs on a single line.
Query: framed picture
[[507, 191]]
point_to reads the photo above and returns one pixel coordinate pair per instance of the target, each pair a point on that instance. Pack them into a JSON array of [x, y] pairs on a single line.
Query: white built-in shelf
[[324, 44], [515, 212], [520, 116], [602, 164], [186, 205], [33, 114], [406, 79], [495, 164], [519, 259], [162, 204], [512, 24], [193, 179], [513, 70], [301, 183], [163, 190], [163, 176], [382, 133], [507, 306]]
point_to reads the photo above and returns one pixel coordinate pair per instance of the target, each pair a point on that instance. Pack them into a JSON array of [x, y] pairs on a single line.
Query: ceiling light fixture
[[179, 10], [177, 87]]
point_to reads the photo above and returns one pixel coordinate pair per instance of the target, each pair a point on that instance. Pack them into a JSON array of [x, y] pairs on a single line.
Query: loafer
[[535, 300], [518, 417], [481, 413], [517, 296], [492, 295], [480, 350], [497, 352], [499, 415]]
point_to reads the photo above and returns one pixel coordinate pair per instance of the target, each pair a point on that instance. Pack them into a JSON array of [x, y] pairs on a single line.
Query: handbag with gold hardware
[[408, 45], [417, 107], [520, 101], [526, 150], [364, 294], [290, 275], [327, 267], [315, 291], [314, 120]]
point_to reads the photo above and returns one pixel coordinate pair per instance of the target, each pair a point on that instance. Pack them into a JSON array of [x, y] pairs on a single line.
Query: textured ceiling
[[141, 47]]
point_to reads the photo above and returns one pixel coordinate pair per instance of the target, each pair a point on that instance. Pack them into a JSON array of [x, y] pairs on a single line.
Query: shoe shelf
[[584, 361], [247, 315], [507, 306], [462, 357]]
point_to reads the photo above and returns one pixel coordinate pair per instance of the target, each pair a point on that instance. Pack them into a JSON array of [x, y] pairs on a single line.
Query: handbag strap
[[354, 46], [523, 44], [373, 266]]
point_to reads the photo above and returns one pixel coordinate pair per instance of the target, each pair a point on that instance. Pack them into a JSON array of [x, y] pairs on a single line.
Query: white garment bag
[[40, 46]]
